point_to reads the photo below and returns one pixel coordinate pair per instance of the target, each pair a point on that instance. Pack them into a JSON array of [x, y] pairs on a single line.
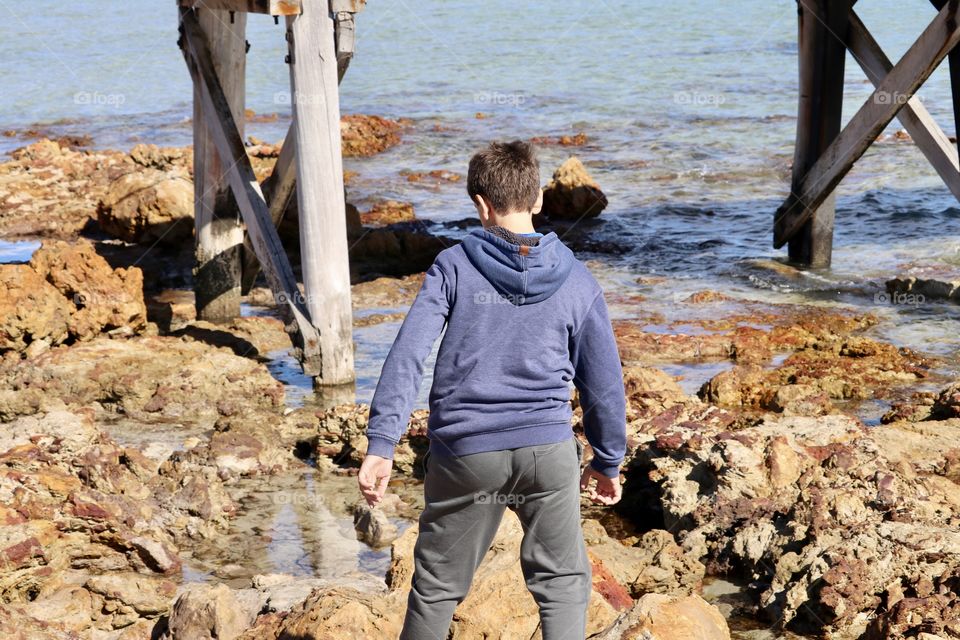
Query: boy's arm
[[402, 371], [599, 379]]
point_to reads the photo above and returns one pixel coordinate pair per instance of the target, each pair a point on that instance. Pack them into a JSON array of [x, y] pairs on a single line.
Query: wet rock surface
[[831, 521], [365, 135], [572, 194]]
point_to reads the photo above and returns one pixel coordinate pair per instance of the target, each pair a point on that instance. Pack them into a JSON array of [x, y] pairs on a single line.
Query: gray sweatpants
[[465, 500]]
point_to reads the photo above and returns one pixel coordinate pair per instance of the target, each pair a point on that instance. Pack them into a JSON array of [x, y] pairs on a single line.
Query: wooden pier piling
[[320, 199], [319, 318], [825, 153], [219, 233]]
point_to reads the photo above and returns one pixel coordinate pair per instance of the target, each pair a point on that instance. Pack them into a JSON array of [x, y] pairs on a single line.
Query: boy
[[523, 319]]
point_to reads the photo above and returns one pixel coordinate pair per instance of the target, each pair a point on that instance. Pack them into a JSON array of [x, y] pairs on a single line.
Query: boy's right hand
[[373, 478], [605, 491]]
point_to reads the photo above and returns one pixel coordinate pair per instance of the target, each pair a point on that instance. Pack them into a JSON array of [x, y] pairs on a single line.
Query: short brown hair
[[507, 174]]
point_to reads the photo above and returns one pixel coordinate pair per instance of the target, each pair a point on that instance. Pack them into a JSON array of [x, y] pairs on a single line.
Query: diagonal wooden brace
[[874, 115], [277, 190], [927, 135], [246, 190]]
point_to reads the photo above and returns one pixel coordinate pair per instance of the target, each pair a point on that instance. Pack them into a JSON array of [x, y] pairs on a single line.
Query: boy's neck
[[516, 222]]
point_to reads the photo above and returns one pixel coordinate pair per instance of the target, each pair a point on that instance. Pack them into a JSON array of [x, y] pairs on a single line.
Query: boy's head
[[504, 179]]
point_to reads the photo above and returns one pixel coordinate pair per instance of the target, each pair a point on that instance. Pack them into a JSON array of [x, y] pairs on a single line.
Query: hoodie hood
[[522, 274]]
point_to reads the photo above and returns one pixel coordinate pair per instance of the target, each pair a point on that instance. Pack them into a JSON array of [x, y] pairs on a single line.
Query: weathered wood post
[[822, 25], [954, 61], [813, 184], [219, 233], [320, 200]]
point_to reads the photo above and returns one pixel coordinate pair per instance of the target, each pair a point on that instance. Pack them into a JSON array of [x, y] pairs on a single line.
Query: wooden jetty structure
[[232, 248], [824, 152]]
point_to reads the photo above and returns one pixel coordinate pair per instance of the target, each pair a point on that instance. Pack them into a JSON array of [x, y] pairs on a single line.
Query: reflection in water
[[298, 522]]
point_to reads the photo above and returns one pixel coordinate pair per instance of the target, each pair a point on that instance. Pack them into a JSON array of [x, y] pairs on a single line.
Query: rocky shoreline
[[147, 457]]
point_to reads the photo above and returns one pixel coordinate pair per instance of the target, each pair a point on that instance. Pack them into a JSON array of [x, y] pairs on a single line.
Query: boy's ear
[[483, 207], [539, 203]]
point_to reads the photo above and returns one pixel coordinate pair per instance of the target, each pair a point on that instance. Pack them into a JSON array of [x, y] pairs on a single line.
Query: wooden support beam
[[247, 192], [927, 135], [904, 79], [271, 7], [280, 186], [954, 58], [277, 190], [320, 200], [219, 232], [821, 69]]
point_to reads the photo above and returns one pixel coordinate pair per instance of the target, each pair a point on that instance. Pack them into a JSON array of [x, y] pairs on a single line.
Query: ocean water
[[689, 110]]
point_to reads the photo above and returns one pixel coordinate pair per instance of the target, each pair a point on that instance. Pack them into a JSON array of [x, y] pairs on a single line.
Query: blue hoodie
[[522, 322]]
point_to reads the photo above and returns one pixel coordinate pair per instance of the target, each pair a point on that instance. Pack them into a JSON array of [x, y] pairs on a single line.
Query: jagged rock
[[387, 212], [498, 605], [394, 251], [31, 309], [935, 281], [103, 298], [49, 190], [823, 513], [365, 135], [806, 383], [341, 435], [15, 624], [932, 614], [205, 612], [653, 564], [66, 291], [148, 376], [662, 617], [572, 194]]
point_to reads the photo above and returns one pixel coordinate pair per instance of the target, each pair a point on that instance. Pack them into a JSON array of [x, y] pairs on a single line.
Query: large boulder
[[31, 309], [103, 298], [67, 292], [148, 206], [572, 194], [148, 377]]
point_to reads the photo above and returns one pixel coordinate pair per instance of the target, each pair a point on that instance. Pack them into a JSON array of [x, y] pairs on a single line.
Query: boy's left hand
[[373, 478]]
